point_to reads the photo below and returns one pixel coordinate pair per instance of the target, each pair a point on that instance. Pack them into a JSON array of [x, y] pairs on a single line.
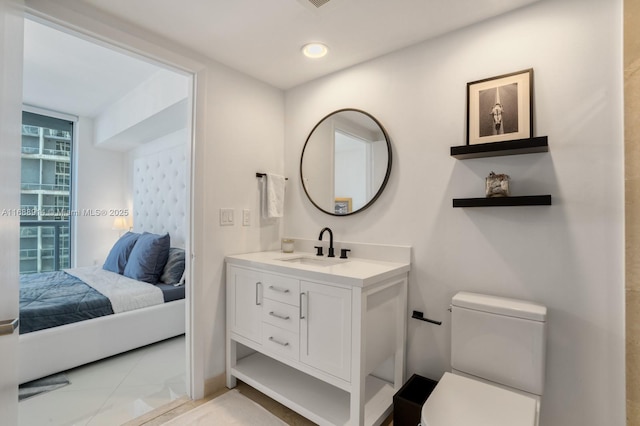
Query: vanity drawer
[[280, 341], [281, 315], [282, 289]]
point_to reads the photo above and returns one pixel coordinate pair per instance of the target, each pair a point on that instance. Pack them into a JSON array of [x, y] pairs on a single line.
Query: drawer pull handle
[[279, 289], [274, 340], [302, 295], [282, 317], [258, 284]]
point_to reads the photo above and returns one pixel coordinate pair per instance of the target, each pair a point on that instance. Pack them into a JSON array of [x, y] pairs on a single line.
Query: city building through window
[[45, 193]]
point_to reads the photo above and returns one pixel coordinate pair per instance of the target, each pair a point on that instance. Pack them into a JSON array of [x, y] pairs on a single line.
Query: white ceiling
[[70, 75], [261, 38]]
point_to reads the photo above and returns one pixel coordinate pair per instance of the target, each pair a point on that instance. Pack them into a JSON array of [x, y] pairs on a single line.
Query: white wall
[[245, 135], [568, 256], [99, 178]]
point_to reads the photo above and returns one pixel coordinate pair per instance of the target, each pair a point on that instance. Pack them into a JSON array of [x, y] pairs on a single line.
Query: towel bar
[[420, 316]]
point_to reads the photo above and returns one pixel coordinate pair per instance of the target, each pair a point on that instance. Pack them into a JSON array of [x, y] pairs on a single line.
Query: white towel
[[272, 196]]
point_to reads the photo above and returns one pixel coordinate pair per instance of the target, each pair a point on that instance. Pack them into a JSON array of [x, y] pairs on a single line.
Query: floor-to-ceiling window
[[45, 193]]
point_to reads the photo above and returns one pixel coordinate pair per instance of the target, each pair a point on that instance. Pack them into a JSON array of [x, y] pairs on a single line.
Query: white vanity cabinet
[[245, 314], [310, 337], [325, 328]]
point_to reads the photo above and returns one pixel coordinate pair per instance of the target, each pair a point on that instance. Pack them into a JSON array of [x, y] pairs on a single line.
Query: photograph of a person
[[499, 108]]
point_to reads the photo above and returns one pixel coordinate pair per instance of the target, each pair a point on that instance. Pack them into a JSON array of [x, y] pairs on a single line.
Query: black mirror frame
[[386, 176]]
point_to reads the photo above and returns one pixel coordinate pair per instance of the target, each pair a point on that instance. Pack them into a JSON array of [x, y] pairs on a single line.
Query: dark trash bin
[[408, 401]]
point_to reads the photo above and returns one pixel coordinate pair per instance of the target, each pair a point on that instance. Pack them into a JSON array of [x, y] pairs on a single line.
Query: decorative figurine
[[497, 185]]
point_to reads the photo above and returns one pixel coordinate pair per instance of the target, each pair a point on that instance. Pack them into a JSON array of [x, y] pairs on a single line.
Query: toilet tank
[[498, 339]]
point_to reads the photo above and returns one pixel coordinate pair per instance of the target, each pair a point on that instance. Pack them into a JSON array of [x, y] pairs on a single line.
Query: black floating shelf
[[528, 200], [495, 149]]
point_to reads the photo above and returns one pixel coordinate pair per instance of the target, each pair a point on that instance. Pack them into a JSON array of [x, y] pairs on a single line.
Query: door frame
[[98, 31], [11, 52]]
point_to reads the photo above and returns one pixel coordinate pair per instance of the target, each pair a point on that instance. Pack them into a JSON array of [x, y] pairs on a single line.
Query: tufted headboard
[[160, 194]]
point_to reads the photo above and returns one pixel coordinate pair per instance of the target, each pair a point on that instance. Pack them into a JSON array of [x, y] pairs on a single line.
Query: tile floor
[[113, 391], [141, 387]]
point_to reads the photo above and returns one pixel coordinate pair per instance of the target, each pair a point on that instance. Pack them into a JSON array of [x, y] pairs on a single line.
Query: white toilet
[[497, 361]]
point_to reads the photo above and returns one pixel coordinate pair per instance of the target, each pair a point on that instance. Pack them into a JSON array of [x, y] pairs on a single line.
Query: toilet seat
[[461, 401]]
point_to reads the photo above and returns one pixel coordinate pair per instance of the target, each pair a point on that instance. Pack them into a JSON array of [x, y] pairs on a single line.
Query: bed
[[71, 319]]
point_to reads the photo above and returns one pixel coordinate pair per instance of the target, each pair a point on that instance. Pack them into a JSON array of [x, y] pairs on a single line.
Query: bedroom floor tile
[[109, 375], [113, 391], [146, 370], [62, 407]]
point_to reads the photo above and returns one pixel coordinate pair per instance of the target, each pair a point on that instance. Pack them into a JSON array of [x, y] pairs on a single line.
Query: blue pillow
[[174, 268], [120, 252], [148, 257]]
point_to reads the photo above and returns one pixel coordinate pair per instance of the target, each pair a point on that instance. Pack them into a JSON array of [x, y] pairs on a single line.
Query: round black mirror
[[346, 162]]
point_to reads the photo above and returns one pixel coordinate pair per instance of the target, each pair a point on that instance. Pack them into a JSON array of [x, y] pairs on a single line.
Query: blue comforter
[[52, 299]]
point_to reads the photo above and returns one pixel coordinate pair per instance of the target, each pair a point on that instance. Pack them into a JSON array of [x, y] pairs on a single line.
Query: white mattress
[[125, 294]]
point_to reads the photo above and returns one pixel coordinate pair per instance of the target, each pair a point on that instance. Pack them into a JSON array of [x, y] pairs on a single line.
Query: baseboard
[[215, 384]]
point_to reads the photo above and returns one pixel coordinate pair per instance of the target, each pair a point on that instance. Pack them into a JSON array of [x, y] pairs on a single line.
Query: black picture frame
[[500, 108]]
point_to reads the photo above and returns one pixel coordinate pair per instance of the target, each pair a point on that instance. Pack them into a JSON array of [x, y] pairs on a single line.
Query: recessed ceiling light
[[314, 50]]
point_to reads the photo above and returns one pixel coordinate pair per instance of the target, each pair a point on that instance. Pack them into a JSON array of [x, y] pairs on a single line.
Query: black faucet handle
[[343, 253], [331, 254], [318, 250]]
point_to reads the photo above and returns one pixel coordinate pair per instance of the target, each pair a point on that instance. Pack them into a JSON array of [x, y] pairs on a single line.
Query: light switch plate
[[226, 217], [246, 217]]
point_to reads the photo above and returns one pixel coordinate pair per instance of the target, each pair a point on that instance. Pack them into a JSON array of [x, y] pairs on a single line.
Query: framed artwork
[[500, 108], [343, 206]]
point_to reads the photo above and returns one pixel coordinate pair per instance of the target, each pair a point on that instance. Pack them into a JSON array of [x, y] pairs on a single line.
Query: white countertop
[[353, 271]]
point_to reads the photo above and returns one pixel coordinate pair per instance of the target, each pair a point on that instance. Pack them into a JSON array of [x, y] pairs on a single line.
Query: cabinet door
[[245, 304], [325, 328]]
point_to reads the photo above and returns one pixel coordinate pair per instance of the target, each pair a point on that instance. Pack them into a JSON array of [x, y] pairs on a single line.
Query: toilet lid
[[460, 401]]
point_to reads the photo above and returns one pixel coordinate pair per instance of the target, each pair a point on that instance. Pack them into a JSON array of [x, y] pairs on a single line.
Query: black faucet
[[330, 241]]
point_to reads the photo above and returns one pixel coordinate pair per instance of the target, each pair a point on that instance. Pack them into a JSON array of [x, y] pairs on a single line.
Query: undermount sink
[[313, 261]]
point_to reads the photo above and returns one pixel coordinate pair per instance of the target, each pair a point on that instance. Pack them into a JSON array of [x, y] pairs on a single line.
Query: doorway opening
[[133, 116]]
